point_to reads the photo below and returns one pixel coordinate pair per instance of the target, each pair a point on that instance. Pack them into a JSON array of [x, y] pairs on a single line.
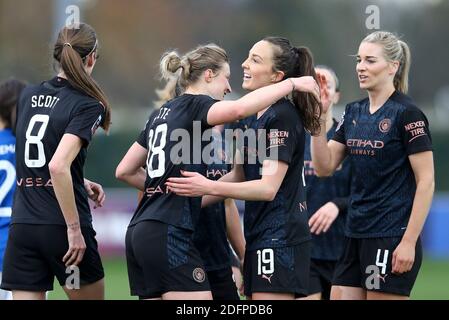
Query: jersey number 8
[[36, 140], [158, 150]]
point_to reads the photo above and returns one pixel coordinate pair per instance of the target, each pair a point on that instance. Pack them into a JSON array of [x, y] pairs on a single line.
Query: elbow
[[269, 194], [425, 186], [239, 112], [57, 168], [120, 174], [428, 184], [432, 185], [321, 173]]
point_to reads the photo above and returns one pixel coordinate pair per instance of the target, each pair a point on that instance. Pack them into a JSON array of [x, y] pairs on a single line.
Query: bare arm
[[130, 169], [234, 228], [326, 156], [263, 189], [61, 177], [255, 101], [235, 175], [423, 169]]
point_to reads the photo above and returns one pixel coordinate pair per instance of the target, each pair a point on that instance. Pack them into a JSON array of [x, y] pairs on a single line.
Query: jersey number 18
[[157, 150]]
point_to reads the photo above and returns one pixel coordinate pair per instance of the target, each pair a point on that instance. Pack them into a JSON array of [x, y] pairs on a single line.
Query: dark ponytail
[[72, 48], [297, 62]]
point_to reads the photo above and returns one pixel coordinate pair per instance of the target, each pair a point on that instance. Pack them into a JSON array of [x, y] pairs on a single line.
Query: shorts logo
[[199, 275], [382, 278], [264, 276], [385, 125], [265, 263]]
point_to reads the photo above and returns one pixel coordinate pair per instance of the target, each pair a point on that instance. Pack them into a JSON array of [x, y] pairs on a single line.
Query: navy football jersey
[[210, 237], [329, 245], [283, 221], [44, 114], [173, 140], [378, 146]]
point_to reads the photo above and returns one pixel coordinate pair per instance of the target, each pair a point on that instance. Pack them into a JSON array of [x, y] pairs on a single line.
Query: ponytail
[[73, 47], [193, 64], [309, 107], [297, 62], [401, 77]]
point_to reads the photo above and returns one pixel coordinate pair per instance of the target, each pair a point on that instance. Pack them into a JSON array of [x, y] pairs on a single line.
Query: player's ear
[[277, 76], [336, 98], [90, 60], [209, 75]]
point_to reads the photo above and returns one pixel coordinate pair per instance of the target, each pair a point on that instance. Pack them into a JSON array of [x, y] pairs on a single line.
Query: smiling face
[[218, 83], [258, 67], [373, 70]]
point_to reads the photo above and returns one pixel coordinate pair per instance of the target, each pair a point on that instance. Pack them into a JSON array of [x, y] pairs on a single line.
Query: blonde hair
[[394, 50], [193, 63], [167, 93]]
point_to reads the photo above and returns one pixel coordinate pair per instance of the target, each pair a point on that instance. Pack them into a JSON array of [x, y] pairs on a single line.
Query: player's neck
[[329, 120], [2, 125], [377, 98], [196, 90]]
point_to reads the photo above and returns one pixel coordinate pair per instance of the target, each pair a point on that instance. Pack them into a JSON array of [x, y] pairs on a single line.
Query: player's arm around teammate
[[204, 79], [269, 190]]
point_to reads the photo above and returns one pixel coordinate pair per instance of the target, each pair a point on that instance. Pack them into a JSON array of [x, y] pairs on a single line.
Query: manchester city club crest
[[199, 275], [385, 125]]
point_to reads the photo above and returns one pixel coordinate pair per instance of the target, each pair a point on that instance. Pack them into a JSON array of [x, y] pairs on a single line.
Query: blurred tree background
[[133, 35]]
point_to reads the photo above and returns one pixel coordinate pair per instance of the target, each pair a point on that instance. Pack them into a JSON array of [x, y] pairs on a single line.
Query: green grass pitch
[[432, 282]]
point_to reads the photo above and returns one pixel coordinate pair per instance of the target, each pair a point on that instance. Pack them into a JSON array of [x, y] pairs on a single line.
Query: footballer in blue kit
[[9, 95]]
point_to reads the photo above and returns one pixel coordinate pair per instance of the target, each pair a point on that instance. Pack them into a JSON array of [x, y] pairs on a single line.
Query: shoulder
[[204, 98], [402, 99], [283, 108], [29, 90], [83, 102], [356, 104], [405, 103], [190, 99]]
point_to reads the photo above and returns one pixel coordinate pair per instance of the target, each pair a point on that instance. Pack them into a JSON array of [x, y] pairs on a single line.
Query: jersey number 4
[[36, 140], [157, 151]]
